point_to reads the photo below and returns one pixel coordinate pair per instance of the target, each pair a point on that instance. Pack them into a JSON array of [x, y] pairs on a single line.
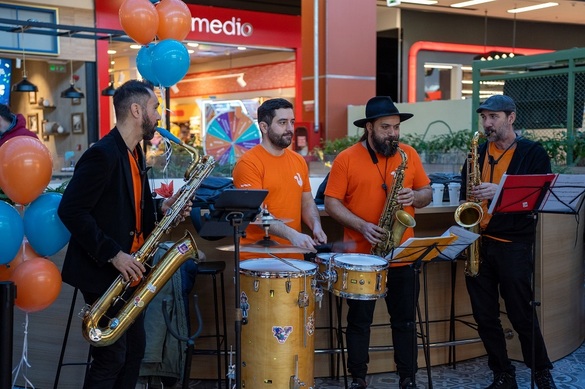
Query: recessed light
[[532, 8], [469, 3]]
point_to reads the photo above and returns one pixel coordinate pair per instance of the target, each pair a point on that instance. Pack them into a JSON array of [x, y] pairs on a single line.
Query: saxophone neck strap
[[375, 162]]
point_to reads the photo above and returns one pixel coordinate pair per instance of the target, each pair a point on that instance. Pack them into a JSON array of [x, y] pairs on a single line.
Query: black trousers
[[117, 366], [400, 302], [506, 269]]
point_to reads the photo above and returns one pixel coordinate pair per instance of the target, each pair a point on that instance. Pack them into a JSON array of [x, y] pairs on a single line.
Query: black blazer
[[98, 209]]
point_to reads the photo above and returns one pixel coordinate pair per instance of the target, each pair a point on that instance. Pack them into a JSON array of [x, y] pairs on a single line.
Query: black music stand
[[533, 194], [233, 210], [415, 251]]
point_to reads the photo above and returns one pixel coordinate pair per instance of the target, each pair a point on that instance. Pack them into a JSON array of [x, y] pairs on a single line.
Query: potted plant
[[331, 147]]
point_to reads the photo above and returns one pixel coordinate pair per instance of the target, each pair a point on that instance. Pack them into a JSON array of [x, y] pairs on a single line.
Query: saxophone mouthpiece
[[168, 135]]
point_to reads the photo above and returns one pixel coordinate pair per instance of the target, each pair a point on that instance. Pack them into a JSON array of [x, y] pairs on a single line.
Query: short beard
[[387, 147], [279, 140], [148, 129]]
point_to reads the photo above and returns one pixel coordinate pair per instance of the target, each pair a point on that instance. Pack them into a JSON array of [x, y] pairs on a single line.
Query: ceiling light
[[110, 89], [242, 48], [192, 44], [136, 47], [532, 7], [240, 80], [24, 85], [421, 2], [469, 3]]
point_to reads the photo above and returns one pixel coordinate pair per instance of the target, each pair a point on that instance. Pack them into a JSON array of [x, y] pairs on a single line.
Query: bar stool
[[213, 269], [64, 345]]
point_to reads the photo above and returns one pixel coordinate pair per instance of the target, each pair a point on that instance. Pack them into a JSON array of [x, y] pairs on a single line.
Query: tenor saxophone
[[470, 213], [394, 219], [94, 327]]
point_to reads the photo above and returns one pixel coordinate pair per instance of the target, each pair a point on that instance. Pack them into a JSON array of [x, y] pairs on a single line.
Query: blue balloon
[[144, 63], [11, 231], [170, 62], [45, 232]]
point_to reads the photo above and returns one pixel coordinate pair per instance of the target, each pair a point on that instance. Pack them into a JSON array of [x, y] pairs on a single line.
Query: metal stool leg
[[64, 345], [224, 335]]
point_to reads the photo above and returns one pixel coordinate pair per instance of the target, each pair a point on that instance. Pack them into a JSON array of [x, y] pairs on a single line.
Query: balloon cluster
[[25, 171], [166, 62]]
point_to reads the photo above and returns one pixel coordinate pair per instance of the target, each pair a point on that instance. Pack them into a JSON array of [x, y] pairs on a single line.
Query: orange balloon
[[139, 20], [24, 253], [174, 20], [38, 284], [26, 167]]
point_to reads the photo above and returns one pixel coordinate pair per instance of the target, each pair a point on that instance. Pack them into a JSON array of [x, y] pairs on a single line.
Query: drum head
[[323, 258], [276, 268], [359, 261]]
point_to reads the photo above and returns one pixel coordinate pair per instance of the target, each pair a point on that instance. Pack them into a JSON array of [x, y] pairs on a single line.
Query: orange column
[[347, 60]]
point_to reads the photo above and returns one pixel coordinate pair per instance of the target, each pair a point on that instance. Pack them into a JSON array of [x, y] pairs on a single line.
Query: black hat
[[378, 107], [497, 103]]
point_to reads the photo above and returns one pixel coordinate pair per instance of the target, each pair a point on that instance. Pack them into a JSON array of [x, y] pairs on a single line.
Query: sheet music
[[566, 195], [464, 239], [413, 248]]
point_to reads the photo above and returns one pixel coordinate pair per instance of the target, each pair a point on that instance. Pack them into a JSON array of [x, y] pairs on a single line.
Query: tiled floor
[[569, 373]]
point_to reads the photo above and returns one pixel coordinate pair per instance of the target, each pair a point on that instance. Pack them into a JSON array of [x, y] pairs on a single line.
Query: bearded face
[[280, 140], [385, 144], [148, 127]]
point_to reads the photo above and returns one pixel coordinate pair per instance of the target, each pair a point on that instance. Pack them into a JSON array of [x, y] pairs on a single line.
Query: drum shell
[[278, 334], [359, 276]]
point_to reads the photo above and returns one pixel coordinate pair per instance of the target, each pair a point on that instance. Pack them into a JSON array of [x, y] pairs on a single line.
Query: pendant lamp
[[24, 85], [110, 89], [72, 92]]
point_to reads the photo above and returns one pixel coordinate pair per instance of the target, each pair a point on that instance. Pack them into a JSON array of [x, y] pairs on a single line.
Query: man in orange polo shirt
[[360, 180], [272, 165]]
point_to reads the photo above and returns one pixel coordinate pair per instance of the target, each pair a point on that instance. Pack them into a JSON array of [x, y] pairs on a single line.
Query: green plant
[[332, 147], [557, 146], [458, 141]]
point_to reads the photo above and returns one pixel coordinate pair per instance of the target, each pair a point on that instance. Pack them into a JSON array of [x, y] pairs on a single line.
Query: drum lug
[[303, 299], [379, 282], [344, 280], [287, 286], [256, 285], [319, 296]]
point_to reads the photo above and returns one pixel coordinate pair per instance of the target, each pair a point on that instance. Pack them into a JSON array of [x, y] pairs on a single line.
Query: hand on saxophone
[[484, 191], [405, 197], [128, 266], [168, 203]]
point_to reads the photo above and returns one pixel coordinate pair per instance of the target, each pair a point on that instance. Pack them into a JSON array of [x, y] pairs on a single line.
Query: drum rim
[[336, 259], [268, 273]]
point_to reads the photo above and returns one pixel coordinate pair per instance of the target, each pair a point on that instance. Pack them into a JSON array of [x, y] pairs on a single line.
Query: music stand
[[533, 194], [233, 210], [414, 251]]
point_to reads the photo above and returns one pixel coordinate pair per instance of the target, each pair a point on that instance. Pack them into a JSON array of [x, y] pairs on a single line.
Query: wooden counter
[[559, 288]]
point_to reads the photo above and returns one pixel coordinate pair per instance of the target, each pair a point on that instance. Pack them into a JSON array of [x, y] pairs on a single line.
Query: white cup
[[454, 188], [438, 193]]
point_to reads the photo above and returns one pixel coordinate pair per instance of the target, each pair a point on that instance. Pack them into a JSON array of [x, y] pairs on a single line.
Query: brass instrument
[[469, 214], [150, 285], [394, 219]]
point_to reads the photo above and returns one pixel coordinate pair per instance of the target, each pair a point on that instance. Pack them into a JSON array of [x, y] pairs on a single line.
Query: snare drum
[[359, 276], [278, 306]]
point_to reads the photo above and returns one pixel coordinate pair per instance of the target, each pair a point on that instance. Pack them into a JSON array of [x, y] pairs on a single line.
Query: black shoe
[[504, 380], [544, 379], [358, 383], [406, 383]]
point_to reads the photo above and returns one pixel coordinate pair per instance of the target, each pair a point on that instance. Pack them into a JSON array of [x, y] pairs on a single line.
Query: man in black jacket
[[506, 248], [109, 210]]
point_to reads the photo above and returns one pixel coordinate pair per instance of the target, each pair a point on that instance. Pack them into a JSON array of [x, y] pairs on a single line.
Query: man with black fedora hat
[[361, 179]]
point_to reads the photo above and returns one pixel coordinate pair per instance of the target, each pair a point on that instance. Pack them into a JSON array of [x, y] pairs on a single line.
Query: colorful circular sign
[[229, 135]]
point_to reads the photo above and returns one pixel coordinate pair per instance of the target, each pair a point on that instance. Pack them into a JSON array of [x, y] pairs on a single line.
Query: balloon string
[[24, 358]]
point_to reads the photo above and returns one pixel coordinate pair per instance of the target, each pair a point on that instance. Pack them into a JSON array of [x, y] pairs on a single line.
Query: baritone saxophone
[[100, 330], [469, 214], [394, 219]]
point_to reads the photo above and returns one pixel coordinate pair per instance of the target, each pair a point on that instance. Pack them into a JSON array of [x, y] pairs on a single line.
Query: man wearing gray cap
[[506, 248]]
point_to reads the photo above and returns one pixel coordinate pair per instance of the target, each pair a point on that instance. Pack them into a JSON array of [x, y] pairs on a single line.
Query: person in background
[[506, 248], [361, 178], [185, 133], [12, 125], [108, 208], [271, 165]]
